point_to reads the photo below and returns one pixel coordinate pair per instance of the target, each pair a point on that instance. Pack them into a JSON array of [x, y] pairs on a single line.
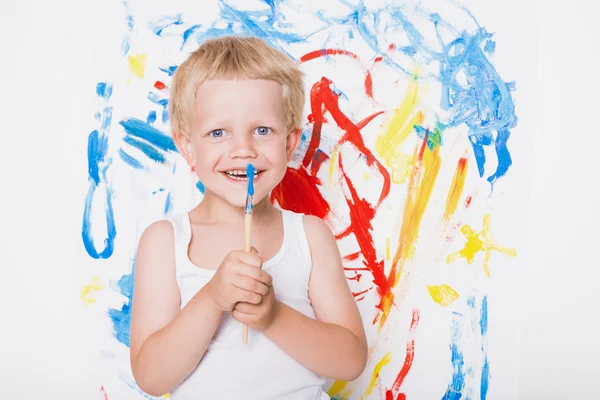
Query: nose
[[243, 146]]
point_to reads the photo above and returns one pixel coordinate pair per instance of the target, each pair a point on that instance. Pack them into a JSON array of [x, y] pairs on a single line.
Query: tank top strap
[[182, 233], [294, 224]]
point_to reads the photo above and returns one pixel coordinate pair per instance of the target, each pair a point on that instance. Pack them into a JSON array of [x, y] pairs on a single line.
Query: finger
[[247, 296], [252, 259], [265, 278], [250, 284], [245, 308]]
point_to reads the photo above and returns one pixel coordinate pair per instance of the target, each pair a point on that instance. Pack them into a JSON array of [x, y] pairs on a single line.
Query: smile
[[239, 175]]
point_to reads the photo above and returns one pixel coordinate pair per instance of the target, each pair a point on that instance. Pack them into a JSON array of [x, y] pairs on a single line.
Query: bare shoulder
[[157, 232], [155, 295], [322, 243], [317, 229]]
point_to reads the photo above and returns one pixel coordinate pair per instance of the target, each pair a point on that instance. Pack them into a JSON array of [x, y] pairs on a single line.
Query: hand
[[257, 316], [239, 278]]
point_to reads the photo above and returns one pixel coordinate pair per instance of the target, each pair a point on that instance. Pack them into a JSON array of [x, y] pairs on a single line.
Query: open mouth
[[239, 175]]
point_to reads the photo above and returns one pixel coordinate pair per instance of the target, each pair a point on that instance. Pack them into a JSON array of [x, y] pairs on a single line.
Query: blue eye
[[262, 130], [217, 133]]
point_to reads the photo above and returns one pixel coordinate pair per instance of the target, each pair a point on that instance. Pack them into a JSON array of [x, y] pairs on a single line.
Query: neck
[[214, 209]]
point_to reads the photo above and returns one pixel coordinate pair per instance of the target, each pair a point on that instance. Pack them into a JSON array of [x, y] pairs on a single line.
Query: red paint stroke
[[361, 215], [352, 256], [340, 52], [365, 121], [299, 192], [468, 201], [408, 360], [369, 84], [317, 160], [355, 294], [356, 277], [103, 392], [159, 85], [323, 98], [378, 59]]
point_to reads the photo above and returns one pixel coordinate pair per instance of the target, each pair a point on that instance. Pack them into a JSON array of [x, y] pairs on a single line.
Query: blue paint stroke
[[151, 118], [434, 137], [159, 26], [457, 385], [146, 148], [485, 370], [200, 187], [121, 319], [245, 23], [98, 163], [156, 99], [170, 70], [125, 45], [140, 129], [129, 160], [168, 204]]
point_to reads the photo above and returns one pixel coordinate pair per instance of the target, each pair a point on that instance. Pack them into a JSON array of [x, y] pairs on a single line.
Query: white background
[[45, 84]]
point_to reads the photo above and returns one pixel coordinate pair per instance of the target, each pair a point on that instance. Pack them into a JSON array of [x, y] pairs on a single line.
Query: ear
[[292, 142], [184, 146]]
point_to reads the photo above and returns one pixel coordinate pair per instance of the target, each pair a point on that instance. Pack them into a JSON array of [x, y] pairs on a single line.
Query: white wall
[[561, 340], [560, 350]]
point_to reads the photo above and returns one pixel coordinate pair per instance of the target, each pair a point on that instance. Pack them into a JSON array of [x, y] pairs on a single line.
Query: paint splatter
[[457, 384], [394, 392], [398, 128], [99, 189], [479, 242], [87, 292], [104, 394], [121, 318], [375, 375], [137, 64], [485, 370], [420, 186], [443, 295], [456, 189]]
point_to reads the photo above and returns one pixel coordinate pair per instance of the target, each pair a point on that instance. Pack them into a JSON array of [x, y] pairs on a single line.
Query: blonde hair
[[234, 57]]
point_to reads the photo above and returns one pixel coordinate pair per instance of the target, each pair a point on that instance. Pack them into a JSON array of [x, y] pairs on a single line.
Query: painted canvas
[[411, 147]]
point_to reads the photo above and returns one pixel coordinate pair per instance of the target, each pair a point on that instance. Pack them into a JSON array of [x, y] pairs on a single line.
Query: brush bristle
[[250, 177]]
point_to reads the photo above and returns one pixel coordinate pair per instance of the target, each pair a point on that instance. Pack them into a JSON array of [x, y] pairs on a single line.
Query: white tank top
[[258, 370]]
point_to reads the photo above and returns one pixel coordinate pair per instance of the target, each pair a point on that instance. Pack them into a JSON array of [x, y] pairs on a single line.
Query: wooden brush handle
[[247, 248]]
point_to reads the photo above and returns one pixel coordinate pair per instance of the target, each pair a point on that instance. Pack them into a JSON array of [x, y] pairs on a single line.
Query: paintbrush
[[248, 223]]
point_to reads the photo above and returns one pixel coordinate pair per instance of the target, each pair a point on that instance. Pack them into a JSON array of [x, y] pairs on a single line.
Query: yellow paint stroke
[[479, 242], [366, 176], [331, 166], [88, 290], [337, 390], [444, 295], [420, 186], [387, 249], [456, 189], [378, 367], [397, 130], [137, 64]]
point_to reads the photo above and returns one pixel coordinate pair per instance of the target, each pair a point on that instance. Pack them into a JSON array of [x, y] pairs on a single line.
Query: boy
[[237, 101]]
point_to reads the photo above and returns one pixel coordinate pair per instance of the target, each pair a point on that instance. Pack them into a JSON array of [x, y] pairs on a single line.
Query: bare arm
[[334, 345], [166, 344]]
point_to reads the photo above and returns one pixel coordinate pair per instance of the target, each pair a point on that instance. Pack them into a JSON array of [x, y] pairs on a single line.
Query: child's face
[[237, 122]]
